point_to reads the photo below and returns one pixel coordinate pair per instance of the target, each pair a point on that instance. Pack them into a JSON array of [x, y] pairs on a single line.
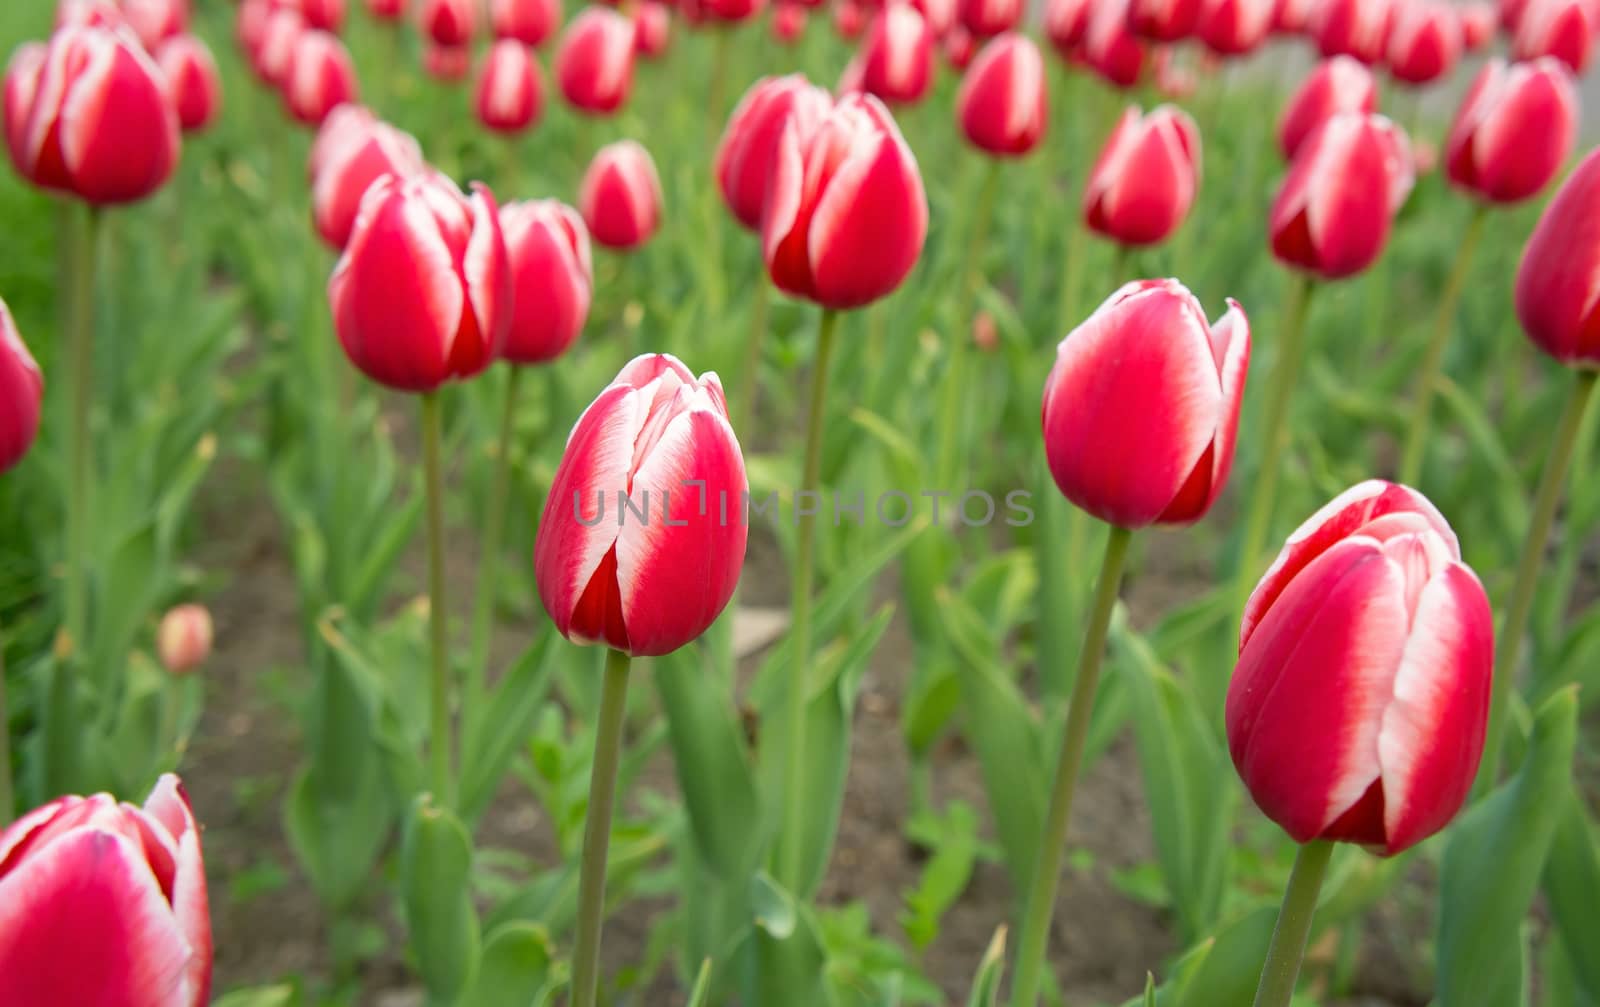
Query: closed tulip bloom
[[326, 15], [183, 642], [321, 77], [105, 903], [788, 23], [89, 14], [1336, 85], [250, 27], [349, 168], [846, 216], [1348, 179], [940, 15], [1358, 708], [90, 115], [552, 275], [1141, 409], [652, 29], [448, 64], [729, 11], [848, 20], [1163, 20], [1146, 177], [344, 126], [1478, 22], [1109, 48], [510, 95], [422, 294], [21, 394], [447, 23], [1558, 282], [621, 196], [1424, 41], [1561, 28], [275, 55], [155, 21], [1234, 27], [387, 10], [594, 66], [988, 18], [1002, 99], [1358, 28], [749, 146], [958, 46], [1292, 17], [192, 81], [896, 60], [1514, 130], [1066, 22], [1510, 14], [528, 21], [657, 441]]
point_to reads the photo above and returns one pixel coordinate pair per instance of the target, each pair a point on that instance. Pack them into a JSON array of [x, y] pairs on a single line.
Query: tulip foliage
[[808, 504]]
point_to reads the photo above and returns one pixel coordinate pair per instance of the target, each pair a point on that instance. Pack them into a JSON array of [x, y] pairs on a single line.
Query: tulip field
[[799, 503]]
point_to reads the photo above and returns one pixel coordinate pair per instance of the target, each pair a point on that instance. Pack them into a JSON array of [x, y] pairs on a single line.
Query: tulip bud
[[1340, 84], [1514, 130], [594, 65], [250, 27], [275, 56], [552, 275], [1558, 282], [321, 77], [447, 23], [386, 10], [155, 21], [940, 16], [788, 22], [21, 393], [1146, 178], [184, 639], [105, 903], [728, 11], [192, 81], [896, 60], [1348, 179], [621, 196], [1560, 28], [745, 156], [447, 63], [1478, 22], [848, 20], [1358, 28], [656, 442], [1141, 409], [1234, 27], [1424, 41], [90, 14], [90, 115], [988, 18], [958, 47], [351, 152], [1109, 48], [652, 25], [1002, 105], [1358, 708], [1292, 17], [1163, 20], [528, 21], [1174, 81], [422, 293], [846, 215], [510, 95], [1066, 22]]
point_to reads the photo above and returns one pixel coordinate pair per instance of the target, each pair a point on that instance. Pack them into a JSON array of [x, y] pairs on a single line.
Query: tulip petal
[[169, 804], [870, 224]]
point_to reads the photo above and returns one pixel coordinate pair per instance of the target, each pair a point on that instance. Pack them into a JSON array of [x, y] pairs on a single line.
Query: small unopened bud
[[184, 640], [985, 336]]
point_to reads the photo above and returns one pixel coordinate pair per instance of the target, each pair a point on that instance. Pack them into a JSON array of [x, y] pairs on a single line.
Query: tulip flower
[[621, 196], [1510, 14], [105, 903], [1358, 708], [1478, 23], [552, 276], [1163, 20], [275, 55], [510, 94], [1174, 81], [1066, 23], [594, 65], [90, 14], [1146, 177], [528, 21], [749, 147], [89, 115], [321, 77], [728, 11], [1292, 17], [1234, 27], [1424, 41], [422, 294], [940, 15], [386, 10], [1561, 28], [1358, 28], [353, 151], [1001, 104], [1513, 131], [21, 395], [447, 23], [788, 22], [447, 63], [250, 27], [988, 18], [846, 214], [652, 27], [1339, 84], [155, 21], [848, 20], [183, 641], [325, 15], [1109, 48], [192, 80], [896, 60], [958, 47]]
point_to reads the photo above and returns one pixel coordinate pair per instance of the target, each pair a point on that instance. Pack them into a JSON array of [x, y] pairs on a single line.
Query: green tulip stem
[[5, 747], [790, 865], [1288, 946], [954, 408], [597, 830], [1433, 358], [80, 484], [1047, 874], [439, 745], [494, 520], [1546, 501]]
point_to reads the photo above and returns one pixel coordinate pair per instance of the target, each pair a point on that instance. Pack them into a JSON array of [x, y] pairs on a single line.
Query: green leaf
[[700, 994], [435, 889], [1149, 989], [282, 995], [783, 956], [517, 969], [771, 906], [1493, 862], [1571, 880], [502, 724], [944, 876], [986, 984]]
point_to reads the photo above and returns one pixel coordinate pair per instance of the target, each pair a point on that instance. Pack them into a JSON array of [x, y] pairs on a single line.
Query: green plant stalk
[[1047, 875], [1288, 946], [1546, 501], [6, 800], [789, 865], [1433, 357], [597, 830], [80, 479], [439, 743], [1285, 375], [954, 407], [494, 520]]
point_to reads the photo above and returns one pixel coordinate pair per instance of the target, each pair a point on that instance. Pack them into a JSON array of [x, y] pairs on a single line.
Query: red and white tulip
[[749, 146], [553, 277], [1514, 131], [594, 65], [1002, 105], [21, 393], [1146, 177], [621, 196], [510, 90]]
